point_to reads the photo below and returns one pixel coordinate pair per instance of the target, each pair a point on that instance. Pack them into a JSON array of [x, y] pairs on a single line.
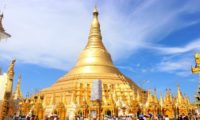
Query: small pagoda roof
[[197, 96], [197, 102], [3, 34]]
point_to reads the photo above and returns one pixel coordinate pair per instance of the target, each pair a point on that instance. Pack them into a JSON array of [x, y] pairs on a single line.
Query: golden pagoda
[[72, 92], [152, 105], [168, 107], [17, 95], [181, 103], [6, 92]]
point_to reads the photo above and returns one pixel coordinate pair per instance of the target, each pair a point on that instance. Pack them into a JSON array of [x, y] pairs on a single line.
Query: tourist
[[195, 117], [36, 118], [15, 116], [51, 117], [141, 117], [160, 117], [28, 117], [46, 117], [186, 118], [8, 117], [32, 117], [166, 117], [55, 118]]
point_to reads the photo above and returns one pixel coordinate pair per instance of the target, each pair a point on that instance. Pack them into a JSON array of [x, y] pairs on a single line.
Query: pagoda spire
[[161, 100], [95, 38], [155, 96], [150, 96], [94, 58], [18, 94], [179, 95], [10, 74], [170, 95]]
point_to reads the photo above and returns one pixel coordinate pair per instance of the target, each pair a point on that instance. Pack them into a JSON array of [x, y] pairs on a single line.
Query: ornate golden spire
[[179, 95], [95, 38], [150, 97], [94, 58], [18, 94], [155, 96], [170, 96], [10, 71], [10, 74], [161, 100]]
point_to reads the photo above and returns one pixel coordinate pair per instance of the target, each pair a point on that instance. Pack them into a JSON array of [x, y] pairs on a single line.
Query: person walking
[[166, 117]]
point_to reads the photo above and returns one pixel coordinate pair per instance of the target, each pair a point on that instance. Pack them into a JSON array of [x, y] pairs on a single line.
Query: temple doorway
[[108, 113], [80, 114]]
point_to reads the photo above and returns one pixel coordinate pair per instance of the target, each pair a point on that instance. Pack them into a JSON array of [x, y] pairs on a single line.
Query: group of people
[[23, 117], [129, 117], [152, 117], [33, 117], [52, 117]]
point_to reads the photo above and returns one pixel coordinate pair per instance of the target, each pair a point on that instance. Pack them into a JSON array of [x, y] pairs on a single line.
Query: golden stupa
[[72, 91]]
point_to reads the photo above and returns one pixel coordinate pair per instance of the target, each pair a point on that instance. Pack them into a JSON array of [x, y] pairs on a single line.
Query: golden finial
[[155, 96], [18, 93], [95, 11], [19, 79], [95, 26], [179, 94], [197, 55], [10, 71], [161, 99]]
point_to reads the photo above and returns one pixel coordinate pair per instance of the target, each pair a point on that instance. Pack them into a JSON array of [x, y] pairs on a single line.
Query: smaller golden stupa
[[196, 70], [6, 84]]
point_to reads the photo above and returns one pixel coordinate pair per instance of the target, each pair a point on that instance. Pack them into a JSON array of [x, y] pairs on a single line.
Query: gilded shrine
[[72, 92]]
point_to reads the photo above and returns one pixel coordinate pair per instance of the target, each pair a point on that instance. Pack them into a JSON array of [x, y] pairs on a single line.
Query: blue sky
[[151, 41]]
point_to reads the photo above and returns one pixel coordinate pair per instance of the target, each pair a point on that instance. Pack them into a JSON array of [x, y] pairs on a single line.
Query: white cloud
[[128, 68], [192, 46], [52, 34], [181, 67]]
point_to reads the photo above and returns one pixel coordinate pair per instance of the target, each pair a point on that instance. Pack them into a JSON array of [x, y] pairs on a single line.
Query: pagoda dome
[[94, 63]]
